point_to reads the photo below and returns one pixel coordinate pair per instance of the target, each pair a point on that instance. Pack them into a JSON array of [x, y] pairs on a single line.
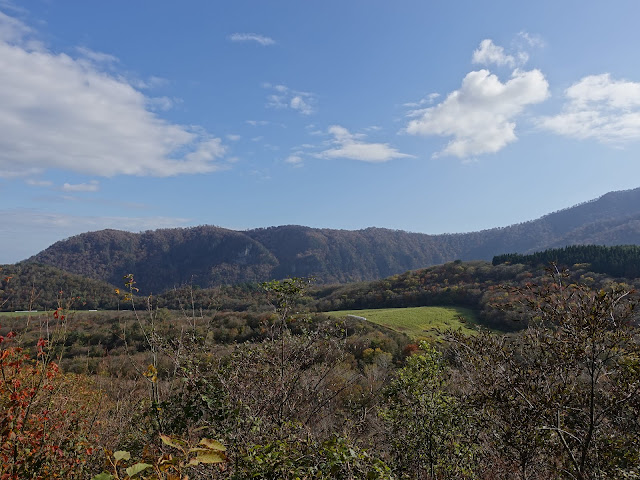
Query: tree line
[[617, 261]]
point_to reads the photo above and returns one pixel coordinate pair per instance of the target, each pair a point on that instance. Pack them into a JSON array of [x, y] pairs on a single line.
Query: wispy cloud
[[61, 112], [428, 100], [600, 108], [11, 6], [40, 229], [257, 123], [294, 159], [531, 39], [97, 57], [252, 37], [481, 115], [38, 183], [92, 186], [287, 98], [352, 146]]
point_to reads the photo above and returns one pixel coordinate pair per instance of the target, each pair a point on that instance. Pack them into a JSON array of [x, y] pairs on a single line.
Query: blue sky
[[429, 117]]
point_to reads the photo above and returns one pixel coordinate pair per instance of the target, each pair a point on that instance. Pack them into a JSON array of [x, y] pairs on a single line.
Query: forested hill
[[208, 255], [617, 261], [29, 286]]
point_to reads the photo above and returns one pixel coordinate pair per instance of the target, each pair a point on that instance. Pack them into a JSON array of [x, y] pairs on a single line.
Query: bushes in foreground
[[560, 399]]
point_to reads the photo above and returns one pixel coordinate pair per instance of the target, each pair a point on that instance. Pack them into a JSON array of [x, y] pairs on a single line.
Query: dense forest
[[617, 261], [30, 286], [209, 256]]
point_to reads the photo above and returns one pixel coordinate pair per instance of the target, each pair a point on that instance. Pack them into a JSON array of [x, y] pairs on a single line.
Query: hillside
[[208, 255], [30, 286]]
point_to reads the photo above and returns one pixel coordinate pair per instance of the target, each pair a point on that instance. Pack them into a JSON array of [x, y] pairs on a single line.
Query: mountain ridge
[[210, 255]]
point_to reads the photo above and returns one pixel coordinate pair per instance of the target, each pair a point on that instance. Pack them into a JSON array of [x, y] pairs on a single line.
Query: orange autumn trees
[[45, 416]]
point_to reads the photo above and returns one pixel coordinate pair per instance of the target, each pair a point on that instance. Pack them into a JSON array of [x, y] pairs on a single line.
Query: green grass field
[[40, 313], [22, 314], [418, 322]]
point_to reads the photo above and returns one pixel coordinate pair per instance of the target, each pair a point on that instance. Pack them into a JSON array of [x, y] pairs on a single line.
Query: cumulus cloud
[[488, 53], [252, 37], [480, 116], [286, 98], [62, 112], [353, 147], [601, 108]]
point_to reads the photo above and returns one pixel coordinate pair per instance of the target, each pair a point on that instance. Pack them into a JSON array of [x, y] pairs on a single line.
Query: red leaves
[[36, 437], [9, 336], [40, 345]]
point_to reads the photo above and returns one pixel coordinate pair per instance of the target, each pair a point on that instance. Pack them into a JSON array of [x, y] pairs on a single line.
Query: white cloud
[[92, 186], [532, 40], [298, 103], [601, 108], [284, 97], [159, 103], [352, 146], [257, 123], [13, 30], [233, 137], [251, 37], [488, 53], [97, 57], [294, 159], [38, 183], [428, 100], [9, 5], [61, 112], [480, 116]]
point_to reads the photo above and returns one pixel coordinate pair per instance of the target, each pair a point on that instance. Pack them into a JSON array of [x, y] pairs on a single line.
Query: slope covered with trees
[[30, 286], [208, 256], [618, 261]]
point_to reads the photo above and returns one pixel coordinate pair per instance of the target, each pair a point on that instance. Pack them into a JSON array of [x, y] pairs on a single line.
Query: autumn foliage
[[45, 424]]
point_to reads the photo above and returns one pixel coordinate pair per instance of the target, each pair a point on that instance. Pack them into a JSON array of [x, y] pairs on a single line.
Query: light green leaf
[[121, 455], [103, 476], [213, 444], [211, 457], [173, 442], [137, 468]]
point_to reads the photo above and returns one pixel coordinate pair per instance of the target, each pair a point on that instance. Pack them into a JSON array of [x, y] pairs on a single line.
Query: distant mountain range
[[209, 255]]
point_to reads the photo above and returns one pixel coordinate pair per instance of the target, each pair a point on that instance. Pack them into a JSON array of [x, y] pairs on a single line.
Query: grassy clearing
[[41, 313], [22, 314], [418, 322]]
